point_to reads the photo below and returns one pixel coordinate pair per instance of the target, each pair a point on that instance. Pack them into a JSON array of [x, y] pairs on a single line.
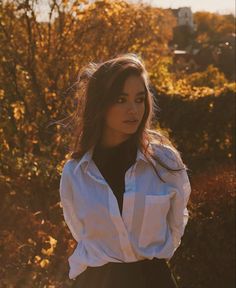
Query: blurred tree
[[211, 77], [216, 35], [211, 26]]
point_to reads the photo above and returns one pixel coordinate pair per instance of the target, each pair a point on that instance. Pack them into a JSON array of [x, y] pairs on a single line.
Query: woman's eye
[[120, 100], [137, 100], [140, 100]]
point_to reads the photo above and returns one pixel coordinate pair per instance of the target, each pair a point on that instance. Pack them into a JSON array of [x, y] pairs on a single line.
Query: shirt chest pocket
[[153, 227]]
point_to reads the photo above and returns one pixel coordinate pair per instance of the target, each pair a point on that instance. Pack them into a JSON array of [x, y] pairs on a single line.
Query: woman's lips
[[131, 122]]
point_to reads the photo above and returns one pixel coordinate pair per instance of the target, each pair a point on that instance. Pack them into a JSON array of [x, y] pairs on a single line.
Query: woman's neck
[[115, 140], [113, 143]]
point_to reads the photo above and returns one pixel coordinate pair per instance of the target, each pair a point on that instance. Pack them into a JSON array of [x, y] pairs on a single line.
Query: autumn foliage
[[40, 64]]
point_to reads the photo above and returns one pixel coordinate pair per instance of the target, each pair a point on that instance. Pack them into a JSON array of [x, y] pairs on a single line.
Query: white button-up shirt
[[153, 218]]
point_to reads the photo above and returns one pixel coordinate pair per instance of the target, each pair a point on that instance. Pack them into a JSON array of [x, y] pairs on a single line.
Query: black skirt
[[146, 273]]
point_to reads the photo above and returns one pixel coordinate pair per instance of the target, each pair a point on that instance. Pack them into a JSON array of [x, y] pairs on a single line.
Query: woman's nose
[[132, 109]]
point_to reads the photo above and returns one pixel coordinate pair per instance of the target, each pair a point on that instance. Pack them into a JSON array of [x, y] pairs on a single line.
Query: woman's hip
[[141, 274]]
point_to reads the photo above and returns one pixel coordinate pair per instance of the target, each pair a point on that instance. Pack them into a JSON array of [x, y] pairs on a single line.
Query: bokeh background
[[190, 57]]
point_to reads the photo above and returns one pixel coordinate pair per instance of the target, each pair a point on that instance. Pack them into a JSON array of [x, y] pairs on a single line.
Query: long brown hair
[[98, 86]]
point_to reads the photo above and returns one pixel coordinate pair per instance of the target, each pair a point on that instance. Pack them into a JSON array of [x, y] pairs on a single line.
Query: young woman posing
[[125, 190]]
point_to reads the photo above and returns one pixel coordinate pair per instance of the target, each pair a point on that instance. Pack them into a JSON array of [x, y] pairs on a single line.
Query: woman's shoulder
[[69, 166], [168, 154]]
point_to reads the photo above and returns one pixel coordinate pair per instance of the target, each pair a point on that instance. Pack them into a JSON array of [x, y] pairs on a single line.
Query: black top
[[113, 162]]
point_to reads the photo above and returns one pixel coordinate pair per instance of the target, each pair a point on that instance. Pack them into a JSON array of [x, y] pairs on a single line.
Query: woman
[[125, 189]]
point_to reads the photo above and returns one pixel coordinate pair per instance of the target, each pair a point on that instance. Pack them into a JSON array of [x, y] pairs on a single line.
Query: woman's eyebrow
[[137, 94]]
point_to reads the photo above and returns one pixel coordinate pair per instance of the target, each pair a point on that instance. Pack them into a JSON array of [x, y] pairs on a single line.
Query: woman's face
[[125, 115]]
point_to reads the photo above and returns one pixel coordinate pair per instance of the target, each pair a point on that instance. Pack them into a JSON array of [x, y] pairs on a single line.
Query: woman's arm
[[67, 203], [179, 181], [178, 214]]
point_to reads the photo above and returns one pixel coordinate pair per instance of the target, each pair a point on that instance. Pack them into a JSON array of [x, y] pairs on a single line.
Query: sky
[[218, 6]]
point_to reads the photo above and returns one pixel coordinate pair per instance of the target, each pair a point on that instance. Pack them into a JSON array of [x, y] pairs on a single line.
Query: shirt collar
[[87, 158]]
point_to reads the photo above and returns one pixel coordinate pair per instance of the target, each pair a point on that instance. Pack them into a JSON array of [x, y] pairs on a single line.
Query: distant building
[[184, 16], [183, 32]]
